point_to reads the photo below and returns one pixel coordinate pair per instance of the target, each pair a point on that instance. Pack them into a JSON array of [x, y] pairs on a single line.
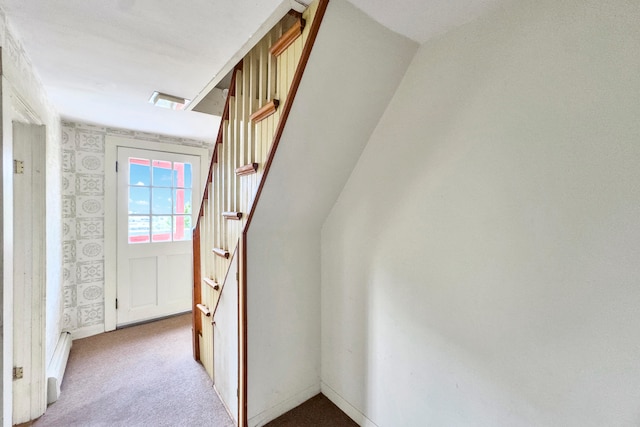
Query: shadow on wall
[[477, 267]]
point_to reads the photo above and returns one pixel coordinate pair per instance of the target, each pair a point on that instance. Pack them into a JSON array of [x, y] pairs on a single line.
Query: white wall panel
[[480, 266], [21, 88], [352, 73]]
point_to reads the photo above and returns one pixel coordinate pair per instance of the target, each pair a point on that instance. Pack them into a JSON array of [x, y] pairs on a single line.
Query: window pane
[[182, 175], [187, 176], [161, 173], [182, 201], [139, 171], [182, 227], [138, 229], [161, 201], [161, 228], [139, 200]]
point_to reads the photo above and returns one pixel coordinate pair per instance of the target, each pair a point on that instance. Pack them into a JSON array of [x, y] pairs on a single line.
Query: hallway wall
[[344, 91], [83, 172], [481, 264], [22, 90]]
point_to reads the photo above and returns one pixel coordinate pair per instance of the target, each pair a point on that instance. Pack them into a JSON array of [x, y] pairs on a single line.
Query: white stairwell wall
[[354, 69], [258, 86], [481, 264], [225, 342]]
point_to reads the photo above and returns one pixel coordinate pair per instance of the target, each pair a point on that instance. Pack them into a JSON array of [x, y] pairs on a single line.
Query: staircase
[[261, 93]]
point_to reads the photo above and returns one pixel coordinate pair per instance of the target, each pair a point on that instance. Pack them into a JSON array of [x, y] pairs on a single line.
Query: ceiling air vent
[[168, 101]]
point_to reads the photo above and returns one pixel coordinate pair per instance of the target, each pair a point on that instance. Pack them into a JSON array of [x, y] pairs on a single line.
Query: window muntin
[[160, 200]]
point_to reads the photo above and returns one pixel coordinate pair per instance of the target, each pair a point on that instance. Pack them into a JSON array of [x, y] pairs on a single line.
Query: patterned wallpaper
[[83, 148]]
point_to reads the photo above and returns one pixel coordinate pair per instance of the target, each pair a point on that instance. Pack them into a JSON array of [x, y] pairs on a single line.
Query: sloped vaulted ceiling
[[101, 60]]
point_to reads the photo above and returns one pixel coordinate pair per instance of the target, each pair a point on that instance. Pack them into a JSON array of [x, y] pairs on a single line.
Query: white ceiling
[[420, 20], [101, 60]]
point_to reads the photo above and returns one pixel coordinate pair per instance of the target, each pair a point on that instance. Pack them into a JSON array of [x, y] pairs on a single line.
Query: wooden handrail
[[212, 283], [257, 80], [242, 285], [232, 215], [267, 109], [221, 252], [204, 310], [214, 157], [288, 38], [197, 324], [247, 169]]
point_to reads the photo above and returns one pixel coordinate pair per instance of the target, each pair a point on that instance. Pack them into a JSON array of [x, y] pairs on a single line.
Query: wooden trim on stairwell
[[205, 197], [204, 310], [232, 215], [214, 157], [265, 111], [242, 286], [232, 91], [288, 37], [226, 277], [221, 252], [242, 331], [212, 283], [214, 160], [247, 169], [286, 107], [197, 293]]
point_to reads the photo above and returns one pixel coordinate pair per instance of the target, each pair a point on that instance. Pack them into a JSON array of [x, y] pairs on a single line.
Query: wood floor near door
[[315, 412]]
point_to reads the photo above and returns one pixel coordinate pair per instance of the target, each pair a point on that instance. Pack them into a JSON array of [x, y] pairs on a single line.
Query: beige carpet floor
[[139, 376]]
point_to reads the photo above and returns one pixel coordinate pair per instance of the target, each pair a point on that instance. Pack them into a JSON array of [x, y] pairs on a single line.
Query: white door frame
[[110, 217], [16, 109], [29, 272], [163, 269]]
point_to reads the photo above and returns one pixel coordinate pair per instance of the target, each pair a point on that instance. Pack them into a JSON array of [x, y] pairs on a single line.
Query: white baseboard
[[274, 412], [346, 407], [57, 366], [87, 331]]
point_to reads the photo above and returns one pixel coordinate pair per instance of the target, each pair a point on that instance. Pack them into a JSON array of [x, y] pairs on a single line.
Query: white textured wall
[[341, 98], [225, 341], [283, 321], [21, 81], [481, 266]]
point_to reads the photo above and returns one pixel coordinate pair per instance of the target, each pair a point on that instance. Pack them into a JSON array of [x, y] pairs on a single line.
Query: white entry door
[[156, 194]]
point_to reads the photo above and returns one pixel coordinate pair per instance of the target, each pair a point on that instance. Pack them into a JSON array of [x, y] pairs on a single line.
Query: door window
[[159, 200]]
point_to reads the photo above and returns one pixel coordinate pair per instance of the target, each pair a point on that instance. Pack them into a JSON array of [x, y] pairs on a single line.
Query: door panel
[[156, 191], [175, 273], [142, 274]]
